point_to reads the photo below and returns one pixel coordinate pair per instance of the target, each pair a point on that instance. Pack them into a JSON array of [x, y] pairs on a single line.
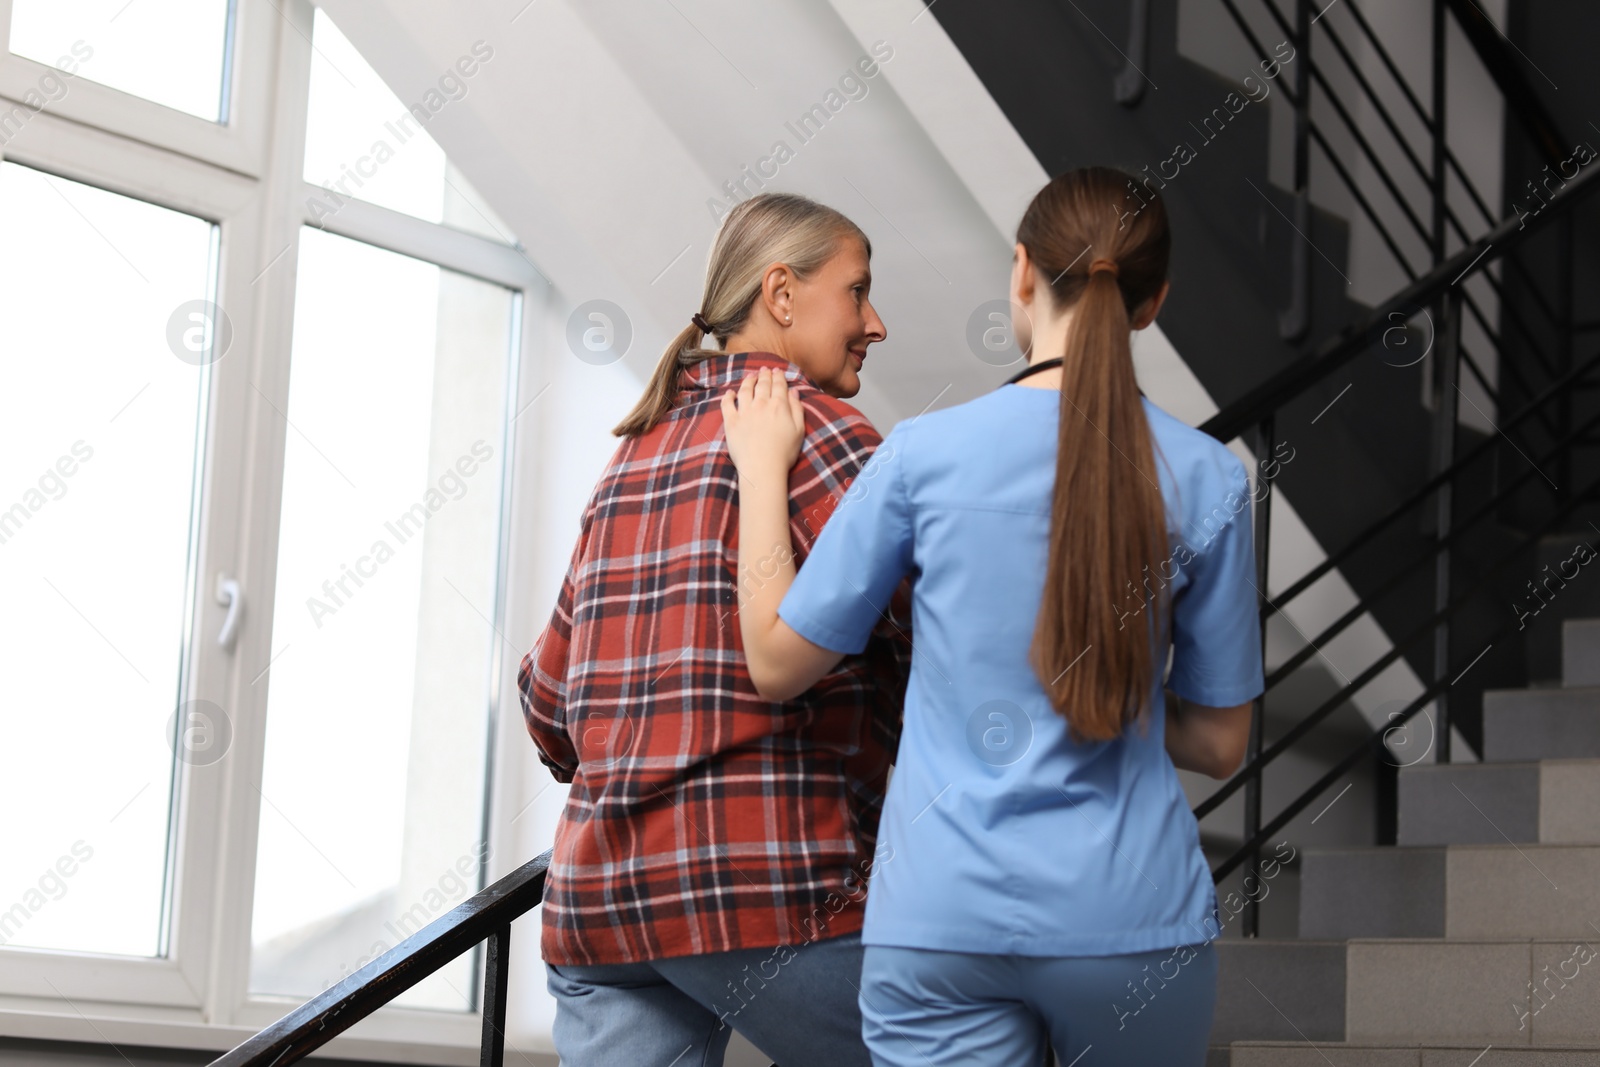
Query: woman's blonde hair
[[769, 228]]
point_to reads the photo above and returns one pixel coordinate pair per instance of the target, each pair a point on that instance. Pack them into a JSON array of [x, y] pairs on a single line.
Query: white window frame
[[239, 144], [246, 176]]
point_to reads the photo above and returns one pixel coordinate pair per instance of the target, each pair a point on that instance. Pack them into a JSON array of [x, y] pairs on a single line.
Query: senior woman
[[710, 864]]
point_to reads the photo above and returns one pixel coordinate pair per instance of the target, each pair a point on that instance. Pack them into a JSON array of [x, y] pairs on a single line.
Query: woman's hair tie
[[1103, 264], [700, 321]]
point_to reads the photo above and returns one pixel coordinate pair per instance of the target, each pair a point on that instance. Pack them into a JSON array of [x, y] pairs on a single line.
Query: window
[[373, 785], [101, 417], [362, 142], [174, 53], [258, 746]]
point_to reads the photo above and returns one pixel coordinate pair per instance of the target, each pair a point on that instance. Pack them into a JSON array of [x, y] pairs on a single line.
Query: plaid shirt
[[703, 818]]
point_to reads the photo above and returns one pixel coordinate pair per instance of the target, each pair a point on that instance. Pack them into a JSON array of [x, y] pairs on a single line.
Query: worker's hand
[[765, 425]]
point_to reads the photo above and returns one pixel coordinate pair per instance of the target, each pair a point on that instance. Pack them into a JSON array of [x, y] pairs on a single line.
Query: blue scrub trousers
[[921, 1007]]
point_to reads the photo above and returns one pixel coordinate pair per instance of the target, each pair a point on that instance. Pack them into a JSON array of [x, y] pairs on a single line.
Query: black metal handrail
[[1417, 497], [1541, 127], [1272, 394], [1448, 160], [1332, 703], [484, 917], [1373, 744], [1547, 383]]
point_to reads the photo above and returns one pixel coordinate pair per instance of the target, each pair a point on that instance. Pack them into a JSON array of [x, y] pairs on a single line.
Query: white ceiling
[[600, 131]]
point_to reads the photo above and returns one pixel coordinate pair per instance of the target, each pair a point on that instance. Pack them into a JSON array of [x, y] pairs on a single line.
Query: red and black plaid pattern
[[703, 818]]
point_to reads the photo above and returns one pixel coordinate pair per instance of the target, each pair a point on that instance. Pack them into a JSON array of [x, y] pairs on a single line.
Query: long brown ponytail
[[1092, 646], [767, 228]]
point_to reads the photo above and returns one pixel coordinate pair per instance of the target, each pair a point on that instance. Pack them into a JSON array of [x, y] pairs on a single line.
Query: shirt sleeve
[[839, 441], [849, 580], [1216, 618], [542, 677]]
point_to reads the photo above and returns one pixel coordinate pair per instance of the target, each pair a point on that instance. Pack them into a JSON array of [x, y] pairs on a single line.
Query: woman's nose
[[875, 327]]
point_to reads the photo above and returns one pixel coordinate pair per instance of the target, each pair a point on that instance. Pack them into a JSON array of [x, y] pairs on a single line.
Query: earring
[[786, 318]]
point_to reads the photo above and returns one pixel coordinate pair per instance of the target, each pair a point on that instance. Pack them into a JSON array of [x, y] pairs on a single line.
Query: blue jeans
[[797, 1004], [922, 1007]]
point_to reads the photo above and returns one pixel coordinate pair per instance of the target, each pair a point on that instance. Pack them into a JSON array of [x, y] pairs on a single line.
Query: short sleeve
[[858, 560], [1216, 618]]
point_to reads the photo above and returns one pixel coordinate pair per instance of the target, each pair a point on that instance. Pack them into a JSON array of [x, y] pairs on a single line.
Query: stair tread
[[1399, 1045], [1368, 850], [1473, 939], [1572, 692], [1499, 765], [1398, 1052]]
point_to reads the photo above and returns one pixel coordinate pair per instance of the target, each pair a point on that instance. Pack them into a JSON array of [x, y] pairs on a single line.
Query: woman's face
[[833, 321]]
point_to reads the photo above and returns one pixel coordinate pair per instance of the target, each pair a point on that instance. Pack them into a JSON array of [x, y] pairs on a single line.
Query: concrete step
[[1391, 995], [1501, 992], [1562, 598], [1342, 1054], [1580, 652], [1453, 891], [1372, 892], [1542, 802], [1305, 979], [1535, 724]]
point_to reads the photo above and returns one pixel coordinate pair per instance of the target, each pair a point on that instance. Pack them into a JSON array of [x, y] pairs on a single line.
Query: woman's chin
[[845, 386]]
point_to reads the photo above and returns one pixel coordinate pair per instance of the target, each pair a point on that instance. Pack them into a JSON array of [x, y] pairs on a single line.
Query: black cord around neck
[[1043, 364]]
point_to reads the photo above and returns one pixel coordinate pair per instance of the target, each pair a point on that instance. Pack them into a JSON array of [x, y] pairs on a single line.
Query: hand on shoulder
[[765, 424]]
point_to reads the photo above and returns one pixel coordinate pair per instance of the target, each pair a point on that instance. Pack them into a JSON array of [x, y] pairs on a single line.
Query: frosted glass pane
[[172, 52], [100, 416], [379, 690]]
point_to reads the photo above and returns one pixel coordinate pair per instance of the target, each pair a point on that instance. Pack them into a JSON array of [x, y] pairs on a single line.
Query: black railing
[[483, 917], [1549, 381], [1310, 75]]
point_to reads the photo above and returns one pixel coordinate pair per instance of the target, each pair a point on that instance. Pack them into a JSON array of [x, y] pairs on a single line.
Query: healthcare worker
[[1038, 877]]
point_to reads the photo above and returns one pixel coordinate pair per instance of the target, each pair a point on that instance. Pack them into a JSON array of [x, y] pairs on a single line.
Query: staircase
[[1463, 928], [1479, 930]]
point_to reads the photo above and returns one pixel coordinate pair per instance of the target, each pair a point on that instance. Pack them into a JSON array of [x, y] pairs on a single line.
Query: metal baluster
[[1250, 923], [1564, 351], [1295, 320], [1386, 796], [496, 970], [1446, 374], [1438, 182], [1448, 368], [1437, 179]]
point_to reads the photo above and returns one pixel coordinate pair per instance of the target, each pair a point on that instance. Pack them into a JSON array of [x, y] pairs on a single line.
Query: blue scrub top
[[1000, 834]]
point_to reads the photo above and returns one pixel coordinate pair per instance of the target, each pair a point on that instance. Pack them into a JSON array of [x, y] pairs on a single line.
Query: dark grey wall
[[1555, 40], [1050, 66]]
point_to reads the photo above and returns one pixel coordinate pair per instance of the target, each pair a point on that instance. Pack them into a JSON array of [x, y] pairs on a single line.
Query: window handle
[[229, 594]]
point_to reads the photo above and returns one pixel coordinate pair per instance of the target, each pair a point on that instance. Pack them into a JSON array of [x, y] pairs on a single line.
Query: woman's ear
[[1146, 313], [1023, 292], [1021, 277], [777, 293]]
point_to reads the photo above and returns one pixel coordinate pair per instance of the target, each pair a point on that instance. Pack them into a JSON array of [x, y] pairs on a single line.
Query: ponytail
[[1093, 644], [661, 392]]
